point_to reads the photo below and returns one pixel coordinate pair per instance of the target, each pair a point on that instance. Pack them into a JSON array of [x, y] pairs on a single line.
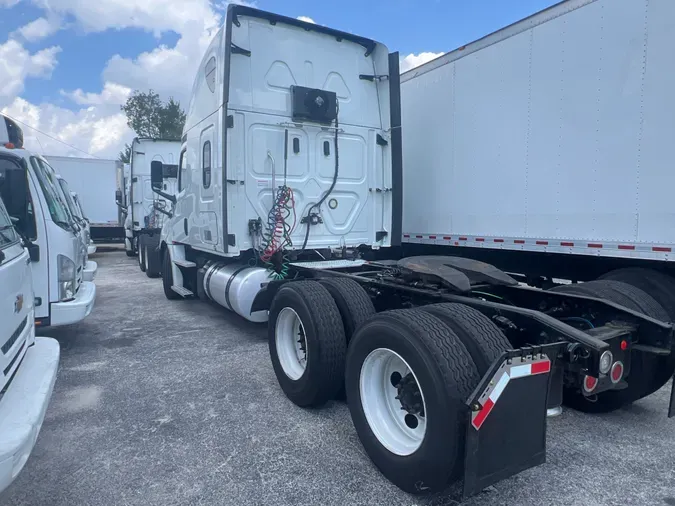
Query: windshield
[[47, 179], [76, 199], [69, 199], [7, 233]]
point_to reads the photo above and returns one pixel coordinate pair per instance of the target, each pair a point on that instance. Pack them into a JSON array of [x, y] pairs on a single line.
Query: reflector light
[[9, 145], [624, 345]]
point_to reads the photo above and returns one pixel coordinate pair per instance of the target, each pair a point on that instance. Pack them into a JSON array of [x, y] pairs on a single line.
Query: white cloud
[[306, 19], [112, 94], [100, 131], [169, 71], [8, 3], [39, 29], [415, 60], [153, 15], [16, 64]]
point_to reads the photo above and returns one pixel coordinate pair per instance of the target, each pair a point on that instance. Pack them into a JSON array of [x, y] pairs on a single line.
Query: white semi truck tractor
[[144, 210], [289, 211]]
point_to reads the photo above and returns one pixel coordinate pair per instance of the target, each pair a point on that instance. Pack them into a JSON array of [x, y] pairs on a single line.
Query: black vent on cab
[[311, 104]]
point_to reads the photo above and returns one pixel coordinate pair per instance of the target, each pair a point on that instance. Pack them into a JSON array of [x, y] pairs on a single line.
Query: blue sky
[[70, 63]]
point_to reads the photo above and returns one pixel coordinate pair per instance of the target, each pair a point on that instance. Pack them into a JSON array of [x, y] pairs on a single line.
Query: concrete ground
[[163, 402]]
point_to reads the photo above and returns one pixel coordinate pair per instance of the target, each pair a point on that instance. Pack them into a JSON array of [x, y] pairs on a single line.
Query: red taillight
[[590, 383], [624, 345], [9, 145], [616, 373]]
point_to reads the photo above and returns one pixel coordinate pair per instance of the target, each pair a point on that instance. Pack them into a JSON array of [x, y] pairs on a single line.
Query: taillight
[[616, 373], [590, 383]]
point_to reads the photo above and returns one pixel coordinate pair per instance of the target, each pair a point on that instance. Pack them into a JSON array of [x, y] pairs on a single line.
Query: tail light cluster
[[613, 369]]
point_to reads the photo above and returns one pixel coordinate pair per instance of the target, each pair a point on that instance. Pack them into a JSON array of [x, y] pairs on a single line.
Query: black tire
[[325, 343], [353, 302], [130, 253], [446, 375], [141, 253], [645, 373], [167, 277], [660, 291], [481, 337], [152, 258], [660, 286]]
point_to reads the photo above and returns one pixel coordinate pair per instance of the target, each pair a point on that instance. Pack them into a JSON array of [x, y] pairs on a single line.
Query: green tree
[[148, 116], [125, 155]]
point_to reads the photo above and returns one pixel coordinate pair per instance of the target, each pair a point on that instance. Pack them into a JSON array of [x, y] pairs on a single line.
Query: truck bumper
[[23, 407], [91, 249], [65, 313], [90, 271]]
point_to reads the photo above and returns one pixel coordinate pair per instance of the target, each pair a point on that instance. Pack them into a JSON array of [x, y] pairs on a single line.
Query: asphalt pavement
[[163, 402]]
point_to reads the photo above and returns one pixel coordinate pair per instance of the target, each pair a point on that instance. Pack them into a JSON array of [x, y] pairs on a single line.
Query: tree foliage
[[148, 116], [125, 154]]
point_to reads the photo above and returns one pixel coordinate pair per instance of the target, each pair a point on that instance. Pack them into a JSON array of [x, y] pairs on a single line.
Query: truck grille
[[10, 342]]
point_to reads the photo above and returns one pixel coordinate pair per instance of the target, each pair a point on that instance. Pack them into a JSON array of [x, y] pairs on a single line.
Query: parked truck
[[289, 211], [91, 247], [89, 267], [145, 210], [28, 364], [97, 181], [49, 231]]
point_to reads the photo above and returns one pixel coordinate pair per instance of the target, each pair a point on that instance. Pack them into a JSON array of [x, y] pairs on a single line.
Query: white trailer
[[96, 181], [545, 147]]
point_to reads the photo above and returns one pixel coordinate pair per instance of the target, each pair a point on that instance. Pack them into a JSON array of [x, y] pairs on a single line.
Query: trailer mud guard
[[506, 417]]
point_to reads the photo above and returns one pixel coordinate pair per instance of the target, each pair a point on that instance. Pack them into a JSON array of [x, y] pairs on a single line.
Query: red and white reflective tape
[[618, 249], [530, 366]]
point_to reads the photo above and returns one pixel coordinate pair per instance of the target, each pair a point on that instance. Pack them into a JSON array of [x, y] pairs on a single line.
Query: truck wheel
[[660, 286], [167, 276], [141, 253], [152, 259], [352, 301], [129, 253], [482, 338], [645, 372], [408, 376], [307, 343]]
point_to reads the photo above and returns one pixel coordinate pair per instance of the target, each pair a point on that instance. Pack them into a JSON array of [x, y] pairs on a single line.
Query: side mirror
[[34, 252], [157, 174]]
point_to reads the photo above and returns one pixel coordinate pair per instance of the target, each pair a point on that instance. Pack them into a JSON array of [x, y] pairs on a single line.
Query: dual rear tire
[[406, 373]]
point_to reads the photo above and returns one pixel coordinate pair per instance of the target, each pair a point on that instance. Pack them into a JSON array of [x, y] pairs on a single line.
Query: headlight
[[67, 278]]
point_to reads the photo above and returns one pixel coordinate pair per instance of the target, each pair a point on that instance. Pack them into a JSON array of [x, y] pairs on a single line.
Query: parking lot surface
[[163, 402]]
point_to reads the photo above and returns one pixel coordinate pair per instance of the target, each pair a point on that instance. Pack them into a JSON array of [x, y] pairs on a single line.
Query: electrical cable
[[277, 234], [310, 215], [47, 135]]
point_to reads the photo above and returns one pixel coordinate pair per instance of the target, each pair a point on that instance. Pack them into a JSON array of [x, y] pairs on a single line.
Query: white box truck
[[145, 211], [28, 364], [49, 231], [289, 200], [97, 182]]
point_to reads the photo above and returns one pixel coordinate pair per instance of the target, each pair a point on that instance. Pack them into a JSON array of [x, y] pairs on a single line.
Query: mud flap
[[506, 417]]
